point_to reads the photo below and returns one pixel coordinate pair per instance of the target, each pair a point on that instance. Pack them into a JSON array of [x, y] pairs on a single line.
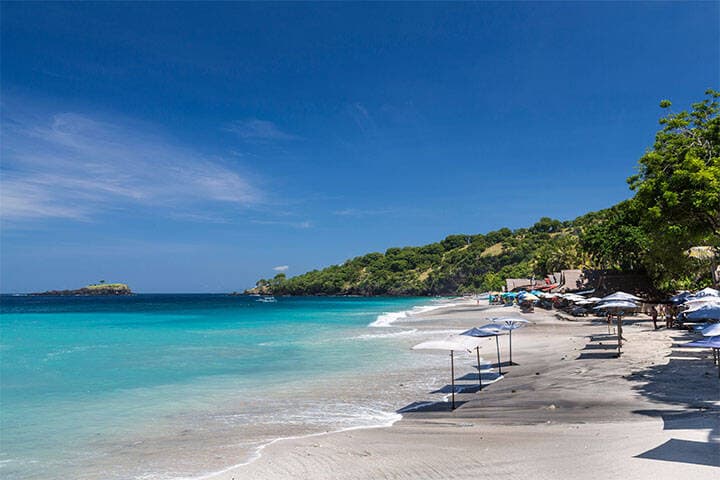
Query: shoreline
[[496, 413], [383, 321]]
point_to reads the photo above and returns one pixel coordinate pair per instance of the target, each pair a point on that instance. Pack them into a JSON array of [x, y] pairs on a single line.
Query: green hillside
[[676, 207], [456, 264]]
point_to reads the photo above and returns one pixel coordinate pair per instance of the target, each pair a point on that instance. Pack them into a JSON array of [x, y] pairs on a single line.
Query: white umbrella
[[705, 312], [711, 330], [621, 296], [510, 324], [697, 304], [547, 295], [616, 305], [709, 342], [620, 307], [701, 301], [453, 343], [708, 292]]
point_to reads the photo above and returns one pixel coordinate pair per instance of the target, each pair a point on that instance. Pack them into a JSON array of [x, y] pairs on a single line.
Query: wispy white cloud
[[75, 166], [360, 212], [281, 268], [262, 130], [302, 225]]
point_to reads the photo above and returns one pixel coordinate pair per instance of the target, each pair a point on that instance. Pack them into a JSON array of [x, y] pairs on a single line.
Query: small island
[[97, 289]]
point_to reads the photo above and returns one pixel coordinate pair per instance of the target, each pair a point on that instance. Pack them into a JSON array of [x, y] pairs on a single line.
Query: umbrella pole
[[477, 349], [452, 377], [619, 334], [497, 345], [510, 337]]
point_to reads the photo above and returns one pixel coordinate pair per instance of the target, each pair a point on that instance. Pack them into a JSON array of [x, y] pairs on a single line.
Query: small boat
[[267, 299]]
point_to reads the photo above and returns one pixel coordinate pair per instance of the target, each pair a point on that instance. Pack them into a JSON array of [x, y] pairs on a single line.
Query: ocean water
[[179, 386]]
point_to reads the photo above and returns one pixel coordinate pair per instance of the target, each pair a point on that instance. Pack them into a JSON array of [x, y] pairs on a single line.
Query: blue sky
[[197, 147]]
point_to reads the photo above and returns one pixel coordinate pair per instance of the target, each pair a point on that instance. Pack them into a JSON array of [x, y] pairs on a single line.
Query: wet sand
[[567, 408]]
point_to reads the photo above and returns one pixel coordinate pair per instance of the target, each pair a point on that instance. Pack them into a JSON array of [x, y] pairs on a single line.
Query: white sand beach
[[568, 408]]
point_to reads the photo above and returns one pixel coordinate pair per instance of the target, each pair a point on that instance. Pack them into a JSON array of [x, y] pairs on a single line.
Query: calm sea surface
[[175, 386]]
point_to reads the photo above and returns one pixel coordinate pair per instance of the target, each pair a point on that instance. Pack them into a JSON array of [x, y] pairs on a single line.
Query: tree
[[546, 225], [678, 187], [562, 253], [614, 239]]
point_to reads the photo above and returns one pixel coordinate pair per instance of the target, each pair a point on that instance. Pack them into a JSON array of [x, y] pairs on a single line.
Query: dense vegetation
[[99, 289], [676, 207]]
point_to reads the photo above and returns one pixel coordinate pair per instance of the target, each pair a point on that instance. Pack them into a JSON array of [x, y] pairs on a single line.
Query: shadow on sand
[[425, 407], [688, 381]]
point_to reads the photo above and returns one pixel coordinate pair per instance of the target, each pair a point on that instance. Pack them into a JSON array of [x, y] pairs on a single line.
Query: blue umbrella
[[489, 330], [706, 312]]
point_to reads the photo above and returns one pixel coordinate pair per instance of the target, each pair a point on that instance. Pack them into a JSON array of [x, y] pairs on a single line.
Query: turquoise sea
[[177, 386]]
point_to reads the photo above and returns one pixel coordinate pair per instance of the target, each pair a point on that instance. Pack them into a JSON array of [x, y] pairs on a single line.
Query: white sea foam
[[406, 333], [402, 333], [387, 319], [379, 419]]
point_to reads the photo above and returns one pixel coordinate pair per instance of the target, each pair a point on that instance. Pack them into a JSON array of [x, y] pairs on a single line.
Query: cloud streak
[[74, 166], [301, 225], [260, 130], [281, 268]]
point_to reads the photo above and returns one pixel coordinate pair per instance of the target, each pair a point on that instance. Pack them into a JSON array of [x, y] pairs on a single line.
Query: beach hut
[[489, 330], [452, 344]]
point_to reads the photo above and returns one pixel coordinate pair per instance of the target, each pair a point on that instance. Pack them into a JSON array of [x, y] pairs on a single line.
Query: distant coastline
[[100, 289]]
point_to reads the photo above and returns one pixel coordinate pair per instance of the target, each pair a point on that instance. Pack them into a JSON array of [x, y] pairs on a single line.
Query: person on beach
[[668, 313], [654, 315]]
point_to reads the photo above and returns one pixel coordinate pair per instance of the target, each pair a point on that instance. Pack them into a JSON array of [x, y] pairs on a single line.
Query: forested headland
[[669, 230]]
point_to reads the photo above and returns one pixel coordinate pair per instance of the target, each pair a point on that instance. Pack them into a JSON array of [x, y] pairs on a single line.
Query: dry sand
[[568, 409]]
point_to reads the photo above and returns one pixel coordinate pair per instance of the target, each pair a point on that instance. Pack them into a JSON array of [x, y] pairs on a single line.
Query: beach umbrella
[[489, 330], [705, 312], [680, 297], [711, 330], [510, 324], [707, 292], [453, 343], [695, 302], [616, 305], [621, 296], [709, 342], [529, 297], [619, 307]]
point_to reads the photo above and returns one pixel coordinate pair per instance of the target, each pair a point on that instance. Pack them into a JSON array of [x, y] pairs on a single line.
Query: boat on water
[[267, 299]]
